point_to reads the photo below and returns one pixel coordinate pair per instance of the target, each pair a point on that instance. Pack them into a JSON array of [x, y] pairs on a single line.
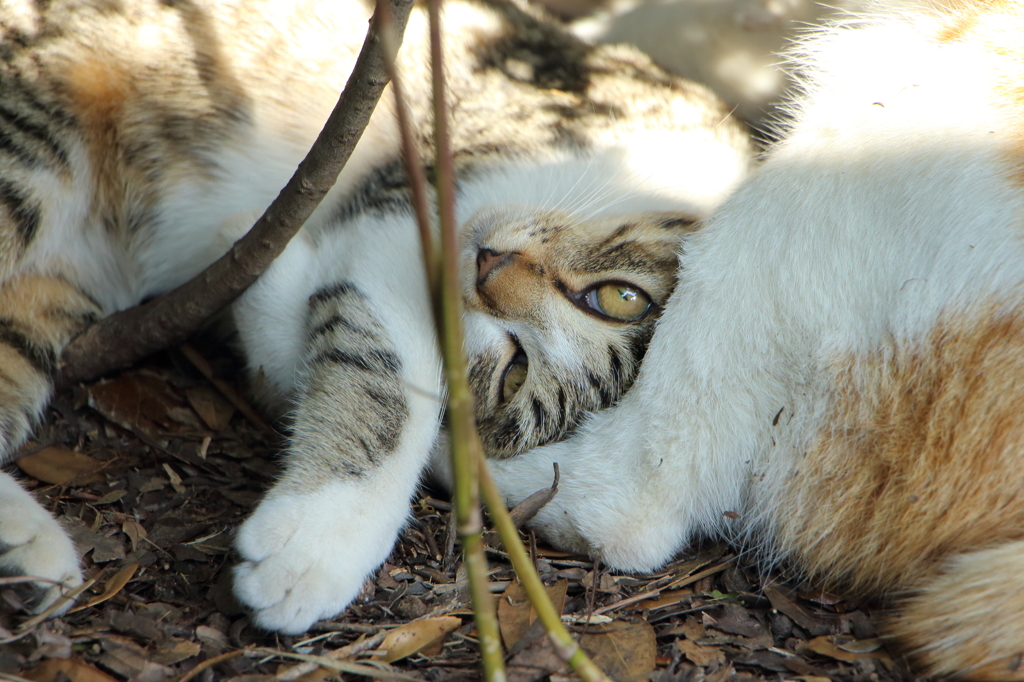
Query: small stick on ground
[[524, 512], [229, 393]]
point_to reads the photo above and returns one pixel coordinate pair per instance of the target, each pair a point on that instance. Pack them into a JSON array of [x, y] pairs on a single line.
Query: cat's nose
[[486, 262]]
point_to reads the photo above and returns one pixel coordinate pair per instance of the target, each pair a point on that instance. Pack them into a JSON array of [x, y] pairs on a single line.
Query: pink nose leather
[[487, 260]]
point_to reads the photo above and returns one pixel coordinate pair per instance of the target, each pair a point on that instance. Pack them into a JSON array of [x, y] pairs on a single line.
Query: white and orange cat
[[842, 362], [837, 378]]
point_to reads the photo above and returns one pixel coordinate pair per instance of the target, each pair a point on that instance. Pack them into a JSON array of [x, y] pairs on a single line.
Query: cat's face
[[559, 313]]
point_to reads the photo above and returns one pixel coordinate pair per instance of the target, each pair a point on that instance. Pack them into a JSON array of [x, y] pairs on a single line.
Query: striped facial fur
[[140, 138], [560, 311]]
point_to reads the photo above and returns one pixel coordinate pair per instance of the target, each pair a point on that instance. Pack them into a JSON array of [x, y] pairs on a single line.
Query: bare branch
[[127, 336]]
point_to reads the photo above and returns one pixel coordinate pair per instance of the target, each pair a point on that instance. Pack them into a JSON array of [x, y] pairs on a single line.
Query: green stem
[[566, 647], [466, 449]]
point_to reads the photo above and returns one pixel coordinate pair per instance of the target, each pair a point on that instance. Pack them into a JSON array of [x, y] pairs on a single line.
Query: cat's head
[[559, 312]]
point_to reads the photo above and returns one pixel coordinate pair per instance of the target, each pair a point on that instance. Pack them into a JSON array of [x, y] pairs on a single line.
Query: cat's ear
[[676, 222]]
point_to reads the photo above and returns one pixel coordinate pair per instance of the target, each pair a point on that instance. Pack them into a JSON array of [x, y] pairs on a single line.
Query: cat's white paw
[[306, 556], [32, 543]]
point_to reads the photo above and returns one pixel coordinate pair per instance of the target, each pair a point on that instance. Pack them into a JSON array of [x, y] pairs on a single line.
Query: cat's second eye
[[617, 300], [515, 376]]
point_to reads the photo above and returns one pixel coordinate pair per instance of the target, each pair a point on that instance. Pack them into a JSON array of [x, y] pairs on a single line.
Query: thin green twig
[[466, 449], [446, 296], [565, 646], [467, 454]]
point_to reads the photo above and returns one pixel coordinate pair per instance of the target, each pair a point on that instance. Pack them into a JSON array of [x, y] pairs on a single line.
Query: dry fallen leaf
[[72, 669], [624, 650], [781, 602], [135, 532], [139, 400], [534, 658], [515, 612], [111, 497], [113, 586], [126, 658], [700, 655], [827, 645], [417, 635], [211, 407], [180, 651], [57, 466], [860, 646]]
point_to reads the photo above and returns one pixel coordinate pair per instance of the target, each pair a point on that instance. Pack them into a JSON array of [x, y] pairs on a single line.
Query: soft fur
[[842, 363], [138, 139]]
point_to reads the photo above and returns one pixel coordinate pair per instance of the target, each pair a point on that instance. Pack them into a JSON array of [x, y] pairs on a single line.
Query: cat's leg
[[965, 620], [615, 501], [367, 411], [32, 543], [38, 316]]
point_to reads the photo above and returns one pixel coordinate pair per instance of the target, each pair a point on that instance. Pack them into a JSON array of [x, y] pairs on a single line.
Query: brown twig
[[524, 512], [127, 336]]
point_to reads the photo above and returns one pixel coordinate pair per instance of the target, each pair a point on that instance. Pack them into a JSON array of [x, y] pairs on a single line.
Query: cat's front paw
[[32, 543], [306, 556]]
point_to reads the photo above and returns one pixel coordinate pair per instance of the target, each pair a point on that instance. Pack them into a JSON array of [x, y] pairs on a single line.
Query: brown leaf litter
[[153, 469]]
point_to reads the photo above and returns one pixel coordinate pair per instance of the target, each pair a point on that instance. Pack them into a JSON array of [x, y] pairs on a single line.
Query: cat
[[837, 379], [139, 139]]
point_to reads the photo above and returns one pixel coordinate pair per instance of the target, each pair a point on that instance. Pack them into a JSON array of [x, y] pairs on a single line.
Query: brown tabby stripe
[[42, 135], [371, 361], [26, 215], [334, 291], [336, 321], [44, 360], [10, 145], [345, 336], [623, 255]]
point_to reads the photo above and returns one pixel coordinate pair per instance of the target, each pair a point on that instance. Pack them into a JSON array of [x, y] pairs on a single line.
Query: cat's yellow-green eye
[[515, 376], [618, 300]]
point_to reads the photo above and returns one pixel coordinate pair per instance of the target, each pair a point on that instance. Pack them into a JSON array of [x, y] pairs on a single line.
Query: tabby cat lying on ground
[[138, 139], [842, 362]]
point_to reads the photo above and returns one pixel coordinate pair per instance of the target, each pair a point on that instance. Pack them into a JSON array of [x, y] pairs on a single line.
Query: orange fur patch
[[48, 309], [99, 91], [922, 456], [921, 459]]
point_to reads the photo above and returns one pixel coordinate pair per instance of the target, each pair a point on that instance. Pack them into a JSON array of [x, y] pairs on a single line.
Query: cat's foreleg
[[366, 413], [32, 543], [38, 316]]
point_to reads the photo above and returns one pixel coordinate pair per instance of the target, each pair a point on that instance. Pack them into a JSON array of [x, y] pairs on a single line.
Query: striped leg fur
[[361, 437], [38, 316]]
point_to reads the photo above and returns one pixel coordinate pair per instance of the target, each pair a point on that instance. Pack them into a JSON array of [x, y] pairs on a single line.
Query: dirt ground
[[153, 469]]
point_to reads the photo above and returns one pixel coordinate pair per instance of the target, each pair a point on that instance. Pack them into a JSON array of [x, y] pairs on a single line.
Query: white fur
[[300, 562], [892, 202], [32, 543]]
